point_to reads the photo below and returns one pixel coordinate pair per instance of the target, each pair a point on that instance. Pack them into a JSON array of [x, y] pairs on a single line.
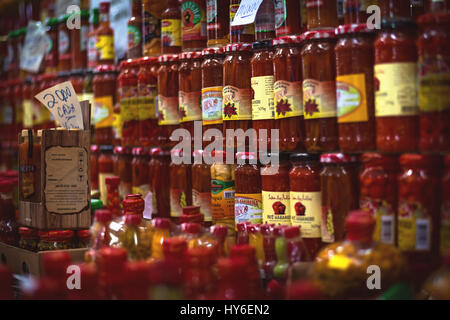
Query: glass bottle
[[217, 22], [193, 25], [105, 37], [135, 31], [171, 28]]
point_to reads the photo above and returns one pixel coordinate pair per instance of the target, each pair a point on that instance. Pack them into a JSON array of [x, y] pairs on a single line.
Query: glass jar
[[135, 39], [159, 173], [217, 22], [306, 199], [139, 168], [340, 193], [124, 170], [180, 184], [168, 117], [255, 239], [104, 87], [212, 87], [105, 169], [147, 106], [434, 82], [237, 91], [105, 36], [263, 108], [193, 24], [396, 108], [240, 34], [44, 243], [201, 185], [79, 40], [287, 66], [287, 21], [355, 12], [319, 91], [29, 239], [51, 55], [445, 209], [64, 45], [61, 239], [378, 188], [247, 197], [171, 28], [322, 15], [396, 8], [354, 74], [190, 90], [265, 21], [131, 238], [128, 94]]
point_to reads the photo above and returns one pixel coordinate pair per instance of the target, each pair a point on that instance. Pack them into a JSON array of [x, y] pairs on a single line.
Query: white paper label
[[34, 49], [246, 13], [148, 211]]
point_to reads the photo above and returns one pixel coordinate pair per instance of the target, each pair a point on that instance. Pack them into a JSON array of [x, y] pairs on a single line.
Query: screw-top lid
[[377, 159], [360, 225], [133, 203], [94, 148], [168, 58], [104, 7], [161, 223], [103, 215], [28, 233], [304, 157], [122, 150], [288, 40], [190, 55], [55, 263], [219, 231], [139, 152], [292, 232], [96, 204], [106, 68], [133, 219], [352, 28], [253, 228], [191, 228], [147, 61], [212, 51], [112, 181], [174, 245], [60, 235], [156, 151], [319, 34], [235, 47], [125, 64], [338, 158], [246, 155]]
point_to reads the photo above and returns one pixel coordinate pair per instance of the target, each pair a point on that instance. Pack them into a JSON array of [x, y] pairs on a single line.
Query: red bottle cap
[[168, 58], [338, 158], [292, 232], [360, 226], [146, 61], [377, 159], [352, 28], [279, 230], [133, 219], [235, 47], [191, 228], [319, 34], [212, 51], [112, 181], [161, 223], [288, 40], [133, 203], [103, 215], [267, 229], [242, 226], [104, 7], [197, 218], [94, 148], [219, 231], [190, 55], [111, 259]]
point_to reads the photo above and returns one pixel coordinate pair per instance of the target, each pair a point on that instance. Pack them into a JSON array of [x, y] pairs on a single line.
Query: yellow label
[[276, 208], [263, 100], [247, 29], [237, 103], [222, 199], [167, 110], [414, 227], [105, 46], [27, 114], [248, 207], [117, 125], [396, 89], [190, 106], [306, 209], [103, 112], [102, 186], [171, 32], [129, 109], [351, 98], [288, 99], [383, 213], [319, 99], [212, 105], [147, 108], [142, 190], [445, 228], [339, 262], [434, 92]]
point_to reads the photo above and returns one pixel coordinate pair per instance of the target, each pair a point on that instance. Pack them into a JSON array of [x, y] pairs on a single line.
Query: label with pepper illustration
[[193, 19], [414, 227], [171, 33], [305, 210], [103, 112], [263, 100], [351, 98], [212, 105], [222, 199], [396, 89], [383, 213], [190, 106], [203, 200], [319, 99], [105, 46], [147, 102], [237, 103], [167, 110], [276, 207], [288, 99], [177, 202], [327, 228], [445, 228], [248, 207]]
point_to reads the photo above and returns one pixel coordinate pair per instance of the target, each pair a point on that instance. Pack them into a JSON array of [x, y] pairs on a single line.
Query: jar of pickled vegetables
[[445, 208], [247, 197], [168, 116], [237, 91], [61, 239], [263, 108], [434, 82], [396, 108], [287, 21], [306, 199], [212, 86], [128, 92], [29, 239], [322, 14], [139, 168], [378, 186], [275, 190], [193, 24], [340, 193], [341, 269], [287, 66], [44, 243], [190, 90], [217, 22], [201, 185], [319, 91], [180, 184]]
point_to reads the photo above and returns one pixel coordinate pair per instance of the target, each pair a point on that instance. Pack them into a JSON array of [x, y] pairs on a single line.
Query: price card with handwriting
[[246, 13], [63, 103]]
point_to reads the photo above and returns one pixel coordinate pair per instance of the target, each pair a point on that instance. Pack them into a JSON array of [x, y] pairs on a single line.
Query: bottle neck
[[136, 8]]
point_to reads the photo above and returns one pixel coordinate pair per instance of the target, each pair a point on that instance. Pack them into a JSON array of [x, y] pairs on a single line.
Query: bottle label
[[103, 112], [105, 46], [327, 228], [167, 110], [203, 200], [93, 53], [306, 209], [414, 227], [211, 11], [27, 114], [177, 202], [134, 37], [262, 103], [433, 92], [117, 126], [212, 105], [151, 31], [280, 13], [383, 213], [147, 102], [142, 190], [63, 42], [84, 38], [319, 99], [396, 89], [445, 228], [247, 29], [129, 106], [248, 207], [171, 33], [193, 20], [190, 106], [288, 99], [351, 98], [237, 103], [222, 199], [276, 208], [102, 186]]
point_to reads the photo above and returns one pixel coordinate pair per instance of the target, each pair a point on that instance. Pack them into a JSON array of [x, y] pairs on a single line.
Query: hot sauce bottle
[[151, 27], [193, 24], [287, 21], [171, 28], [322, 14], [265, 21], [105, 37], [135, 31], [245, 33], [217, 22]]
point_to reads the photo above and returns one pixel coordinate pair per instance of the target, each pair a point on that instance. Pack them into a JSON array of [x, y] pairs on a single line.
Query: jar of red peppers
[[340, 193], [434, 81], [322, 14], [201, 185], [306, 199], [93, 160], [64, 45], [105, 169], [263, 109], [319, 91], [159, 177], [287, 66], [147, 106], [445, 209], [354, 88], [128, 92], [378, 186], [168, 118], [212, 86], [217, 22], [190, 90], [193, 24], [124, 170], [140, 175], [396, 109], [180, 184], [237, 90]]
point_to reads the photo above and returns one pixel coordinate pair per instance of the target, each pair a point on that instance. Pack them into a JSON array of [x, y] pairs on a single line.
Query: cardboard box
[[26, 262]]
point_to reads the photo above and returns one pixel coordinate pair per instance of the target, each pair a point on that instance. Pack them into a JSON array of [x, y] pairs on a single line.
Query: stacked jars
[[128, 95]]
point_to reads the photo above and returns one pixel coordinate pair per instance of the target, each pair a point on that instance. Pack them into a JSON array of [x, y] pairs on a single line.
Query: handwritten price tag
[[246, 13], [63, 103]]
